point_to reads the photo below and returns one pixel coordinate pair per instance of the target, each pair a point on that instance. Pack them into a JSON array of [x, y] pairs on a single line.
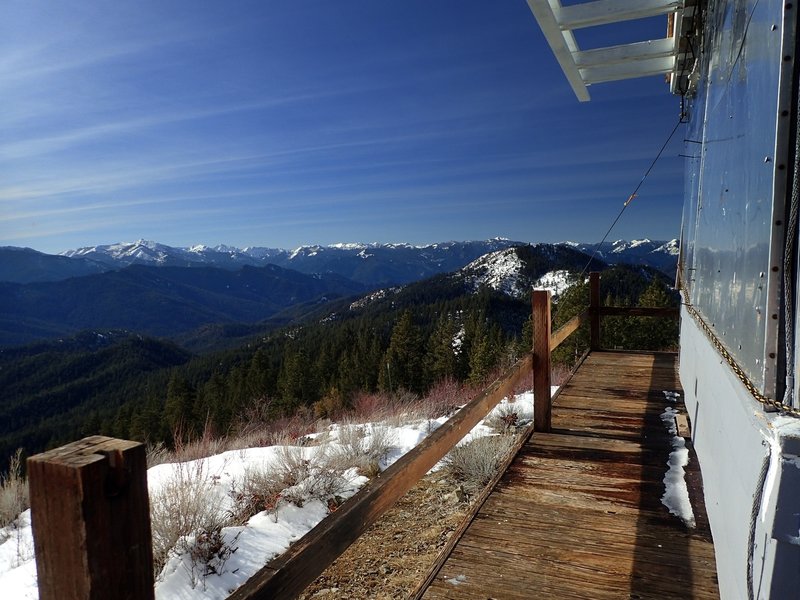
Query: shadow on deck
[[578, 513]]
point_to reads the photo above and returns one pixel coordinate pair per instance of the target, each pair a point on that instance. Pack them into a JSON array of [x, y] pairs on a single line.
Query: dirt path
[[393, 556]]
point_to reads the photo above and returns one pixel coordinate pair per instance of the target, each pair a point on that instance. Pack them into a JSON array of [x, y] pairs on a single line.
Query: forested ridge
[[400, 341]]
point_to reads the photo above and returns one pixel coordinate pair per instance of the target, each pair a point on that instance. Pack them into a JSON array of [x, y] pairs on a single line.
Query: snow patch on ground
[[676, 494]]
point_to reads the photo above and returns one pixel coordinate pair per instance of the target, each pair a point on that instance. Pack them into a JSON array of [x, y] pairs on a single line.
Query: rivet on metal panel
[[774, 269], [767, 159], [774, 317], [772, 355]]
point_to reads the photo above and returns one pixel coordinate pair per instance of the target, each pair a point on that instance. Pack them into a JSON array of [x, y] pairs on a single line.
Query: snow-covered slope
[[516, 271], [500, 271], [661, 255]]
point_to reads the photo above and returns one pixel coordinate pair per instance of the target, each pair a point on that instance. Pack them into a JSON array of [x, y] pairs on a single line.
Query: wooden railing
[[89, 499]]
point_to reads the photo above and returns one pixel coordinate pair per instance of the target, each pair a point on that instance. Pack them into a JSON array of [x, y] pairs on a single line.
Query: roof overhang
[[583, 68]]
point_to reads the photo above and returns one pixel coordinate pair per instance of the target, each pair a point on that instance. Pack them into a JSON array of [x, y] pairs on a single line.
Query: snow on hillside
[[555, 281], [500, 271], [266, 534], [672, 248]]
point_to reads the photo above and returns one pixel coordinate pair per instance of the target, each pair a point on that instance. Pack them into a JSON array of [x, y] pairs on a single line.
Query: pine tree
[[403, 364], [441, 360], [178, 407]]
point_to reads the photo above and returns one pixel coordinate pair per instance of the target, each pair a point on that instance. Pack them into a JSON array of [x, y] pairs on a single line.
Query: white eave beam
[[558, 44], [603, 12], [585, 67]]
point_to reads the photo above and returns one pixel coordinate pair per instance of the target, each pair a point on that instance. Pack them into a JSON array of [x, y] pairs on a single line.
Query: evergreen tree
[[296, 385], [441, 360], [655, 333], [178, 407], [485, 352], [403, 364]]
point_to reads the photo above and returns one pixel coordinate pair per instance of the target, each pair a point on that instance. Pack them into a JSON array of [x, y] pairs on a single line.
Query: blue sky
[[286, 122]]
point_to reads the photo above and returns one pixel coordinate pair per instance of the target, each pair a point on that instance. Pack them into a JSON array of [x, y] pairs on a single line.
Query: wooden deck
[[578, 514]]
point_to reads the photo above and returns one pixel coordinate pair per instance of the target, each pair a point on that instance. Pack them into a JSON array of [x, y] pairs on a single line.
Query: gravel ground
[[390, 560]]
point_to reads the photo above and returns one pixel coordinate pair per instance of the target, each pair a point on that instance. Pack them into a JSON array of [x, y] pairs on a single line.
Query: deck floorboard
[[578, 513]]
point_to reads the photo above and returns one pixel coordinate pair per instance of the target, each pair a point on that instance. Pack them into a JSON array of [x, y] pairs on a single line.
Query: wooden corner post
[[594, 310], [542, 407], [91, 520]]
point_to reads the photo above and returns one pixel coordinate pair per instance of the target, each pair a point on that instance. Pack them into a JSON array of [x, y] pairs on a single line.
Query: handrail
[[567, 329], [288, 574]]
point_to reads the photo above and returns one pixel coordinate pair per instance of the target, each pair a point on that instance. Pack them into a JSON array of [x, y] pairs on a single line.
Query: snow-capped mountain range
[[372, 264]]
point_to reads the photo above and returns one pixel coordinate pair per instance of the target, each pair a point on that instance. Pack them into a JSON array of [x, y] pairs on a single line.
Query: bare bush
[[475, 463], [207, 444], [362, 447], [505, 418], [13, 493], [371, 406], [158, 454], [303, 479], [258, 491], [444, 397], [184, 506]]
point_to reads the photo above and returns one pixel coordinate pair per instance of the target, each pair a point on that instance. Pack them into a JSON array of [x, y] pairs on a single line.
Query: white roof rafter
[[585, 67]]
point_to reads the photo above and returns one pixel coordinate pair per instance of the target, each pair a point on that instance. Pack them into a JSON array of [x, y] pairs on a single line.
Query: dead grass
[[182, 508], [13, 493], [475, 463]]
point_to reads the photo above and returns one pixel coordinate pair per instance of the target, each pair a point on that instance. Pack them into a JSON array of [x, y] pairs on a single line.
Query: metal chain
[[751, 387]]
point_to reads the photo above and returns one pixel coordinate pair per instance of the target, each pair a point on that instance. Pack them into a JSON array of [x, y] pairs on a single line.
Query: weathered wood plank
[[578, 513]]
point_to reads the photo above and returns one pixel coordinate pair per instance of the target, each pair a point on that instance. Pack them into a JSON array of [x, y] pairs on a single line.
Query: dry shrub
[[559, 374], [302, 479], [158, 454], [207, 444], [474, 464], [372, 406], [362, 447], [259, 491], [13, 493], [505, 418], [183, 507], [331, 406], [445, 397]]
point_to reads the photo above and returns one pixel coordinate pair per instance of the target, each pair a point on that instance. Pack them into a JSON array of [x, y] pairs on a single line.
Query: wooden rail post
[[594, 310], [91, 521], [542, 408]]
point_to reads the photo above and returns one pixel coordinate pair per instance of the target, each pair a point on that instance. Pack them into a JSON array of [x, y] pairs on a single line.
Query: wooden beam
[[91, 521], [604, 12], [567, 329], [594, 310], [560, 43], [542, 405], [288, 574]]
